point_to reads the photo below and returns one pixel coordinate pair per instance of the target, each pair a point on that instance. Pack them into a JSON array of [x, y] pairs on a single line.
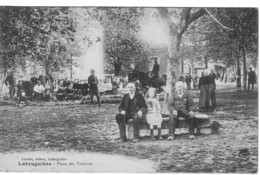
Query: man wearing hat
[[93, 86], [251, 78], [156, 68]]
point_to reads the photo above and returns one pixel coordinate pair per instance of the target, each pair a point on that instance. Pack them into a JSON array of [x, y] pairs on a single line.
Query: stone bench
[[203, 128]]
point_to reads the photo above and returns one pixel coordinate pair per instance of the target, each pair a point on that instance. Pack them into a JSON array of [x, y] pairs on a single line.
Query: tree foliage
[[46, 35], [120, 40]]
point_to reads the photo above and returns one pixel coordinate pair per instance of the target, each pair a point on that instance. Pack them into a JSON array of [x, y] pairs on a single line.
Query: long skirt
[[205, 96]]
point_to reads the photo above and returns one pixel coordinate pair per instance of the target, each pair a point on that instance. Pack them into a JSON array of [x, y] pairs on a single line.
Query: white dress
[[153, 115]]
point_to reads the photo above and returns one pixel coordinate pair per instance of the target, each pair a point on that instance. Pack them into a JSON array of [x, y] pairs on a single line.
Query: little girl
[[153, 116]]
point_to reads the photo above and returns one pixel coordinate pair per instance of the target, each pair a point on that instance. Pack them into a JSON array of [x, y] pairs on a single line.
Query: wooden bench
[[203, 128]]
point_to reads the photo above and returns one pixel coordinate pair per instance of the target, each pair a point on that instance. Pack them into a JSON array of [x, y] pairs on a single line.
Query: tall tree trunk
[[175, 31], [244, 64]]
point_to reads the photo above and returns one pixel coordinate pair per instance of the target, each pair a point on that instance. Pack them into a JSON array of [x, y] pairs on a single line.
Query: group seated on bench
[[146, 113]]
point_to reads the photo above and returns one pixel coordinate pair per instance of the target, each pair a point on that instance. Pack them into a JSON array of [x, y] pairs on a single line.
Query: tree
[[44, 35], [182, 18], [226, 35], [121, 43]]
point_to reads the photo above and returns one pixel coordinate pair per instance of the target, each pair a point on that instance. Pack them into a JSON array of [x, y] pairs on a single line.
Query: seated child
[[153, 116]]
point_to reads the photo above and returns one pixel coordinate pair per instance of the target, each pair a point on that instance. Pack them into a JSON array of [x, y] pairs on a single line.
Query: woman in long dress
[[206, 87]]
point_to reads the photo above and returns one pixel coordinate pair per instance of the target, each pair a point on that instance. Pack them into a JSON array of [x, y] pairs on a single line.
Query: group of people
[[139, 108], [36, 89]]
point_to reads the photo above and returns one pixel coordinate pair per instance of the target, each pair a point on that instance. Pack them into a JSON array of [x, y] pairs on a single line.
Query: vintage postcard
[[128, 89]]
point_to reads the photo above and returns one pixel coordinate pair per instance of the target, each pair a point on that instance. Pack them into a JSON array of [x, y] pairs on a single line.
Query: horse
[[146, 80]]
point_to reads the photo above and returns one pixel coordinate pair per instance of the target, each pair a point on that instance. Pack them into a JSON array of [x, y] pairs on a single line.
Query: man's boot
[[160, 134], [151, 134]]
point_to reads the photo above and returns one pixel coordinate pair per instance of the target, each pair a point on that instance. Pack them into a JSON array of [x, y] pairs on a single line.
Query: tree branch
[[194, 16]]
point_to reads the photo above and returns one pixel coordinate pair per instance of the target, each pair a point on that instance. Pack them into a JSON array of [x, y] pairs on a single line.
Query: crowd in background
[[45, 88]]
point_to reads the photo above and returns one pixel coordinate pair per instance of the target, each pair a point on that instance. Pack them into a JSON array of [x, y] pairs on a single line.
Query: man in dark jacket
[[132, 106], [251, 78], [181, 105], [10, 82], [93, 86]]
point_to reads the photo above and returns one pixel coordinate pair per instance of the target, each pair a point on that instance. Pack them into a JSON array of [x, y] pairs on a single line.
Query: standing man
[[132, 106], [251, 78], [93, 86], [10, 82], [188, 81], [213, 94]]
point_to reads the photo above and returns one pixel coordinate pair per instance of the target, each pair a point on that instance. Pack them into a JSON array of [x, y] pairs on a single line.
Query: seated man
[[38, 90], [181, 105], [132, 106]]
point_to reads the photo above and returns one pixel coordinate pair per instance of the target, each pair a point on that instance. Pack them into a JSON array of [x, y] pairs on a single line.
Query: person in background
[[93, 87], [251, 78], [156, 68], [21, 94], [195, 81], [181, 78], [38, 90], [47, 91], [61, 91], [10, 83], [188, 81], [20, 88], [213, 94]]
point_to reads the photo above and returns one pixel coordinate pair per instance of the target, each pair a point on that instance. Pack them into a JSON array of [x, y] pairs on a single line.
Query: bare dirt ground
[[84, 128]]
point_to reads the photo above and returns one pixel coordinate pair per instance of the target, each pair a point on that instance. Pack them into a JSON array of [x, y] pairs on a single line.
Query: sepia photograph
[[120, 89]]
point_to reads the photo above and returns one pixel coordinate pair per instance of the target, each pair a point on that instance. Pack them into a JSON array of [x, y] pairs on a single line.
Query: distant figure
[[251, 78], [156, 68], [21, 94], [38, 90], [214, 76], [195, 81], [10, 82], [213, 94], [93, 86], [238, 82], [181, 78], [188, 81]]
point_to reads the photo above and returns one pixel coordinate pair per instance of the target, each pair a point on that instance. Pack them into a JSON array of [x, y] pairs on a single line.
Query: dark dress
[[206, 87]]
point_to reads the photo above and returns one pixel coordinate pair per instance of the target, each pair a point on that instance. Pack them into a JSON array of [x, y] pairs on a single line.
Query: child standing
[[21, 94], [153, 116]]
